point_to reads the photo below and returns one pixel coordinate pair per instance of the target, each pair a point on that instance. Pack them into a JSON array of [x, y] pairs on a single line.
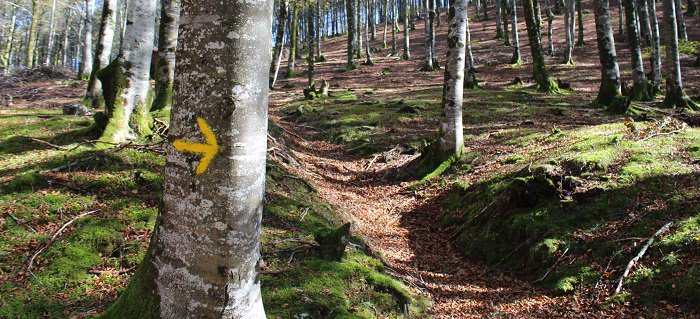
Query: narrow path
[[404, 227]]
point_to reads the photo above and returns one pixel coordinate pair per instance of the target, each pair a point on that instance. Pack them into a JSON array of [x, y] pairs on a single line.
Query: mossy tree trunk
[[579, 9], [350, 4], [103, 51], [569, 14], [499, 18], [127, 92], [644, 23], [279, 43], [680, 21], [86, 63], [31, 42], [516, 59], [310, 37], [167, 45], [609, 94], [504, 17], [8, 44], [675, 94], [293, 39], [655, 50], [204, 261], [640, 89], [319, 29], [539, 69], [406, 28], [451, 131]]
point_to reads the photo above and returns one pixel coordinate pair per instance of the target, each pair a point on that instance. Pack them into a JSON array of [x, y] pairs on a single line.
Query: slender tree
[[368, 50], [499, 27], [86, 64], [621, 14], [656, 51], [428, 66], [293, 39], [127, 79], [644, 23], [516, 41], [204, 255], [539, 69], [550, 21], [609, 94], [6, 51], [579, 9], [351, 34], [470, 81], [680, 21], [386, 23], [640, 89], [406, 28], [31, 42], [504, 17], [279, 43], [433, 46], [49, 41], [675, 94], [319, 31], [692, 9], [310, 37], [167, 45], [451, 132], [394, 27], [569, 11], [103, 52]]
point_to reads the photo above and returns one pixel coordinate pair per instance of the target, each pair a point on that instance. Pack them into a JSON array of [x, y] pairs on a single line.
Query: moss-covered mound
[[571, 217]]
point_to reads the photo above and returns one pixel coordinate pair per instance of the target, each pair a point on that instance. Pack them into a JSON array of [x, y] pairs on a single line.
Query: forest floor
[[462, 239]]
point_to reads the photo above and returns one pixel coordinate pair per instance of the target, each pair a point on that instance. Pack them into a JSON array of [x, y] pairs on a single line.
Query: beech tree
[[350, 5], [675, 94], [451, 131], [126, 80], [167, 45], [656, 51], [6, 51], [406, 28], [279, 43], [640, 89], [516, 42], [368, 49], [644, 21], [504, 17], [204, 254], [550, 21], [539, 69], [579, 9], [680, 21], [31, 41], [103, 52], [609, 93], [294, 37], [86, 64], [470, 81], [569, 21], [428, 66]]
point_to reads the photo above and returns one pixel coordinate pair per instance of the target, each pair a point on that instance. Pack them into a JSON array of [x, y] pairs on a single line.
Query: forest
[[349, 159]]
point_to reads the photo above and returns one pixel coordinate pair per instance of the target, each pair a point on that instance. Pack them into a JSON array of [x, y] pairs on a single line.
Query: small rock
[[75, 109]]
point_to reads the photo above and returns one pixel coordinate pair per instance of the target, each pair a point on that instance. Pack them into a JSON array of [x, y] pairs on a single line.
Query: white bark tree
[[103, 53], [451, 131], [167, 45], [86, 63]]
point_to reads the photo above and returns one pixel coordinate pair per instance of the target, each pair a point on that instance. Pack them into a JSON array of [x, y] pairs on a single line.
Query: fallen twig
[[30, 264], [660, 134], [553, 266], [293, 134], [36, 140], [120, 272], [20, 222], [641, 253]]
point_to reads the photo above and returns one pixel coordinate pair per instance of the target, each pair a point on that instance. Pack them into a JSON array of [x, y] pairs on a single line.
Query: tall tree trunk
[[470, 81], [486, 10], [656, 50], [293, 39], [692, 9], [539, 69], [319, 31], [406, 28], [351, 34], [358, 14], [433, 47], [569, 12], [126, 81], [386, 23], [516, 41], [49, 42], [279, 43], [621, 14], [66, 37], [86, 65], [609, 94], [640, 89], [310, 37], [204, 256], [371, 16], [579, 9], [499, 27], [428, 66], [394, 26], [103, 52], [643, 14], [368, 49], [32, 34], [538, 17], [680, 21], [504, 15], [167, 45], [550, 21], [7, 45], [675, 94], [451, 131]]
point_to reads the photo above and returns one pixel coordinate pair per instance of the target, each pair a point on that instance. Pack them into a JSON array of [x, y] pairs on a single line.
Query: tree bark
[[203, 260], [386, 23], [126, 81], [310, 37], [293, 39], [7, 46], [656, 50], [49, 42], [680, 22], [103, 52], [279, 43], [516, 41], [539, 69], [86, 64], [675, 94], [550, 21], [32, 34], [470, 81], [499, 27], [319, 30], [644, 23], [406, 28], [428, 66], [351, 35], [394, 26], [451, 130], [609, 94], [579, 9], [167, 45], [621, 14], [639, 89], [569, 12], [504, 17]]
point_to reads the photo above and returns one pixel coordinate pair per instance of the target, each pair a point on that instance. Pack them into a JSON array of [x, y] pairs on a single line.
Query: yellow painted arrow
[[209, 150]]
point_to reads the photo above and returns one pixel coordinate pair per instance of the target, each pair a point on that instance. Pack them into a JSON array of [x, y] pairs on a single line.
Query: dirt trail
[[404, 227]]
